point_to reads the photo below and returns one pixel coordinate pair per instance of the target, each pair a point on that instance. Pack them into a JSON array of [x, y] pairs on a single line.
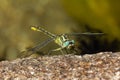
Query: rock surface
[[100, 66]]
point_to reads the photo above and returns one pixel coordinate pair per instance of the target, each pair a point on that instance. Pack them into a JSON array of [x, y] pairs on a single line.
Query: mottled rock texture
[[99, 66]]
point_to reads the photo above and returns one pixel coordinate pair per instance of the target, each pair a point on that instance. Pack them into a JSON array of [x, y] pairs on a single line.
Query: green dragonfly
[[62, 40]]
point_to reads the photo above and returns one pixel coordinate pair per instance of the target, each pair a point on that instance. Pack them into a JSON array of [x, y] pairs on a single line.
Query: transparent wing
[[41, 45], [84, 34]]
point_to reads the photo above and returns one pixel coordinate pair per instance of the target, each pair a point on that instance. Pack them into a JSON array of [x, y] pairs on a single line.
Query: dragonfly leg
[[66, 51], [58, 49], [62, 52]]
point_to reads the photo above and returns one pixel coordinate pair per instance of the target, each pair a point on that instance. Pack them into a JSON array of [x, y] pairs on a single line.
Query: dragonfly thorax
[[64, 41]]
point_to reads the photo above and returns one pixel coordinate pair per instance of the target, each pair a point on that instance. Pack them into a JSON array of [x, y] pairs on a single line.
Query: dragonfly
[[62, 40]]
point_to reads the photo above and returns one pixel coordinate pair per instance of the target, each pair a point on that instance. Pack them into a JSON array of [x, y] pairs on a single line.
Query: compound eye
[[70, 42]]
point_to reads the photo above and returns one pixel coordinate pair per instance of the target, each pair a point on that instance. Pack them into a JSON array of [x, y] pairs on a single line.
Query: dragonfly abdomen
[[35, 28]]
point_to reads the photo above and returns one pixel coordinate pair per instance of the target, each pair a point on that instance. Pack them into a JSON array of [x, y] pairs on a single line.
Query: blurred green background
[[58, 16], [103, 15]]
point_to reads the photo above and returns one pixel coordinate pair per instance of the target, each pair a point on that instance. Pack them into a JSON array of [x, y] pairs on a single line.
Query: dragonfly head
[[70, 44], [66, 42]]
